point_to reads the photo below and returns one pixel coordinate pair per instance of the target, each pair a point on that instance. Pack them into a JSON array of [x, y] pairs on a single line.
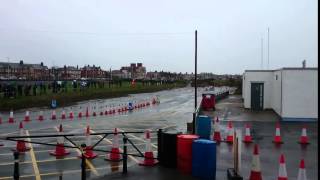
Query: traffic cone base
[[217, 137], [89, 154], [114, 155], [255, 175], [277, 140], [21, 147], [80, 115], [229, 139], [26, 118], [40, 118], [59, 151], [247, 139], [11, 120], [304, 140], [148, 160]]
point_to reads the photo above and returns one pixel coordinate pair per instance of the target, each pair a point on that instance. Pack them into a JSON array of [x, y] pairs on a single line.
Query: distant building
[[23, 71], [69, 73], [92, 72], [137, 71], [153, 75], [291, 92]]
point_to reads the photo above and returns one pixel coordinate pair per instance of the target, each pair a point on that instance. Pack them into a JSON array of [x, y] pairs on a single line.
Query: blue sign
[[53, 103]]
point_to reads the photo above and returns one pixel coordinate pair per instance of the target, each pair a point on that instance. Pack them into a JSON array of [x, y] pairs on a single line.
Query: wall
[[265, 77], [300, 94]]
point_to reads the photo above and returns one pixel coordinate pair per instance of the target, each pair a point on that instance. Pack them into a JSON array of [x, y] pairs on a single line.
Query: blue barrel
[[204, 159], [203, 126]]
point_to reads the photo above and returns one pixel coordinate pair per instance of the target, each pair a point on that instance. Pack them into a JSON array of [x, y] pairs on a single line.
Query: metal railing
[[81, 147]]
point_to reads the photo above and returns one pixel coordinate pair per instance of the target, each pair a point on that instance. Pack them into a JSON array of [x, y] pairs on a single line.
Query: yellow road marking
[[33, 158], [136, 137], [87, 161]]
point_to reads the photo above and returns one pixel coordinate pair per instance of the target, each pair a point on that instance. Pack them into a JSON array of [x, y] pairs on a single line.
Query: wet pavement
[[174, 111]]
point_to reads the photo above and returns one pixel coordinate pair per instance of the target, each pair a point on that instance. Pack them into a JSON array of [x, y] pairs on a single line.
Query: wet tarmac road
[[173, 112]]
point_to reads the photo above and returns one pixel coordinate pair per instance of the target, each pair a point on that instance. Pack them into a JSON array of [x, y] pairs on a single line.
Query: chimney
[[304, 63]]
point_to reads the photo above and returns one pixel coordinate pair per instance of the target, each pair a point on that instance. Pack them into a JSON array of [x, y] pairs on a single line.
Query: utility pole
[[261, 53], [195, 85], [268, 47], [195, 71]]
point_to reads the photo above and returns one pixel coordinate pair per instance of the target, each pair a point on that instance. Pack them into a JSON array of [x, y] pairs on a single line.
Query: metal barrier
[[81, 147]]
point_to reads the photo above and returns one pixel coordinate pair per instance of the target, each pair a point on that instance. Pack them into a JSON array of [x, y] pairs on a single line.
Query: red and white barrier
[[216, 133]]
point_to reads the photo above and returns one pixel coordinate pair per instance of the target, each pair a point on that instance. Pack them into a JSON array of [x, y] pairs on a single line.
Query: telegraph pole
[[195, 71], [261, 53], [195, 84], [268, 47]]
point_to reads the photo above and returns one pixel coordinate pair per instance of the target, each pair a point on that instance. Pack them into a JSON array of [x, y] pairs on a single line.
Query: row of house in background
[[25, 71]]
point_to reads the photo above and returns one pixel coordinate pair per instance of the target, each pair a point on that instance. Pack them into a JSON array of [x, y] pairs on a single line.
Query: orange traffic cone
[[148, 155], [216, 134], [40, 118], [71, 115], [106, 112], [302, 175], [304, 137], [229, 138], [115, 150], [255, 173], [80, 114], [282, 175], [89, 154], [11, 119], [87, 112], [60, 150], [27, 117], [277, 137], [21, 145], [247, 137], [63, 115], [53, 115]]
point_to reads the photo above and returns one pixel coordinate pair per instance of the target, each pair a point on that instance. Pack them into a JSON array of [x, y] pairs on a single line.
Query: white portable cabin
[[291, 92]]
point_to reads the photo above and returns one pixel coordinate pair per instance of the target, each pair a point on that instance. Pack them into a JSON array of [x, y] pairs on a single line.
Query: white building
[[291, 92]]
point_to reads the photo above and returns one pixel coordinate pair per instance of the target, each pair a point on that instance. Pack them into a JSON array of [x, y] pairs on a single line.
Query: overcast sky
[[160, 34]]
